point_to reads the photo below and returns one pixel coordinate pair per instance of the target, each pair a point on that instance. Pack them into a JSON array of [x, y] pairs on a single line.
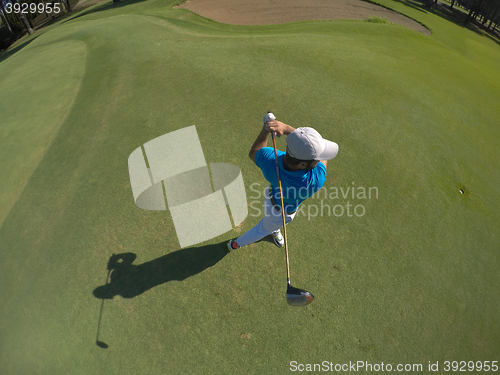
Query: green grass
[[414, 280]]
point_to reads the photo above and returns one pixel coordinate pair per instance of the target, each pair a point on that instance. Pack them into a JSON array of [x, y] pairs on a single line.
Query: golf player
[[302, 170]]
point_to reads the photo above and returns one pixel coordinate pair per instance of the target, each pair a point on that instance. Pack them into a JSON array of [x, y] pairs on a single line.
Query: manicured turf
[[413, 280]]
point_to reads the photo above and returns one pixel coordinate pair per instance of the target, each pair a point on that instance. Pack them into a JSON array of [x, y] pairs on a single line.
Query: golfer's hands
[[279, 128]]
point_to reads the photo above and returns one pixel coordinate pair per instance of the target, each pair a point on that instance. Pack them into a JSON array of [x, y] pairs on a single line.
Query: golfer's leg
[[260, 230], [253, 235], [271, 222], [288, 219], [266, 226]]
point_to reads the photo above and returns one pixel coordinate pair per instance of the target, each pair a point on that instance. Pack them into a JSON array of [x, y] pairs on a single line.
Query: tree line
[[482, 10], [18, 17], [486, 12]]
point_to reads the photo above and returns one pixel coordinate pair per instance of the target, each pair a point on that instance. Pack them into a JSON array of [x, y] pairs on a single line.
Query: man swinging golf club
[[302, 169]]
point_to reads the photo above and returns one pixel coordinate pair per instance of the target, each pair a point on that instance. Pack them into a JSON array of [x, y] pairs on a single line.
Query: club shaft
[[282, 208]]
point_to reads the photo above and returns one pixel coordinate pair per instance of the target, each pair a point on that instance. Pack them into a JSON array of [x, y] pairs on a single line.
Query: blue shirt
[[297, 185]]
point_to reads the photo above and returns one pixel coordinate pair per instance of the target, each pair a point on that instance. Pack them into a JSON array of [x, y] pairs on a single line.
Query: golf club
[[294, 296]]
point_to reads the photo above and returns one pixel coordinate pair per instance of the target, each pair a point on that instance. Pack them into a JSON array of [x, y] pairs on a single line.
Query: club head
[[101, 344], [298, 297]]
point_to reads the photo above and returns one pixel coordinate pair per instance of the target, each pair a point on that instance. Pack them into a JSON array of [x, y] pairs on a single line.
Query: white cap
[[308, 144]]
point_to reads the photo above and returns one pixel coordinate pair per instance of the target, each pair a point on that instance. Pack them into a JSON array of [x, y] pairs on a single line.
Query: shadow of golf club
[[129, 280]]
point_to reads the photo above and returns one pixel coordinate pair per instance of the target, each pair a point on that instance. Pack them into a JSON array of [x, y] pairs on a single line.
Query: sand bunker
[[266, 12]]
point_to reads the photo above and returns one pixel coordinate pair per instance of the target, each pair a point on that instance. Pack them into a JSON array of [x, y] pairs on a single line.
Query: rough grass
[[414, 280], [376, 19]]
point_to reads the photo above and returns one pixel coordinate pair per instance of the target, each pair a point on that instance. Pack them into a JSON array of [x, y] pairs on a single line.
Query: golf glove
[[268, 117]]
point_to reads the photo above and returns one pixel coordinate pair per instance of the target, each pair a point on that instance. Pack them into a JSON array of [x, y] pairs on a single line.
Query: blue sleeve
[[319, 176], [264, 157]]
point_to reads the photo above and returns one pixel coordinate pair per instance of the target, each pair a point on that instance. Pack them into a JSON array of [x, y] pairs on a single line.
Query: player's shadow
[[129, 280]]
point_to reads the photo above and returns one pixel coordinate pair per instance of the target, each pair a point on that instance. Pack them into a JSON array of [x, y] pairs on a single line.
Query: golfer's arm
[[259, 143]]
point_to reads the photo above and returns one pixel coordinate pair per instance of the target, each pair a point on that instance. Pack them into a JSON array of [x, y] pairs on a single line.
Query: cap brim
[[331, 150]]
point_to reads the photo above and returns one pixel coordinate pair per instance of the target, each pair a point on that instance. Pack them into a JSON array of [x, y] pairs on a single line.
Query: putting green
[[412, 280]]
